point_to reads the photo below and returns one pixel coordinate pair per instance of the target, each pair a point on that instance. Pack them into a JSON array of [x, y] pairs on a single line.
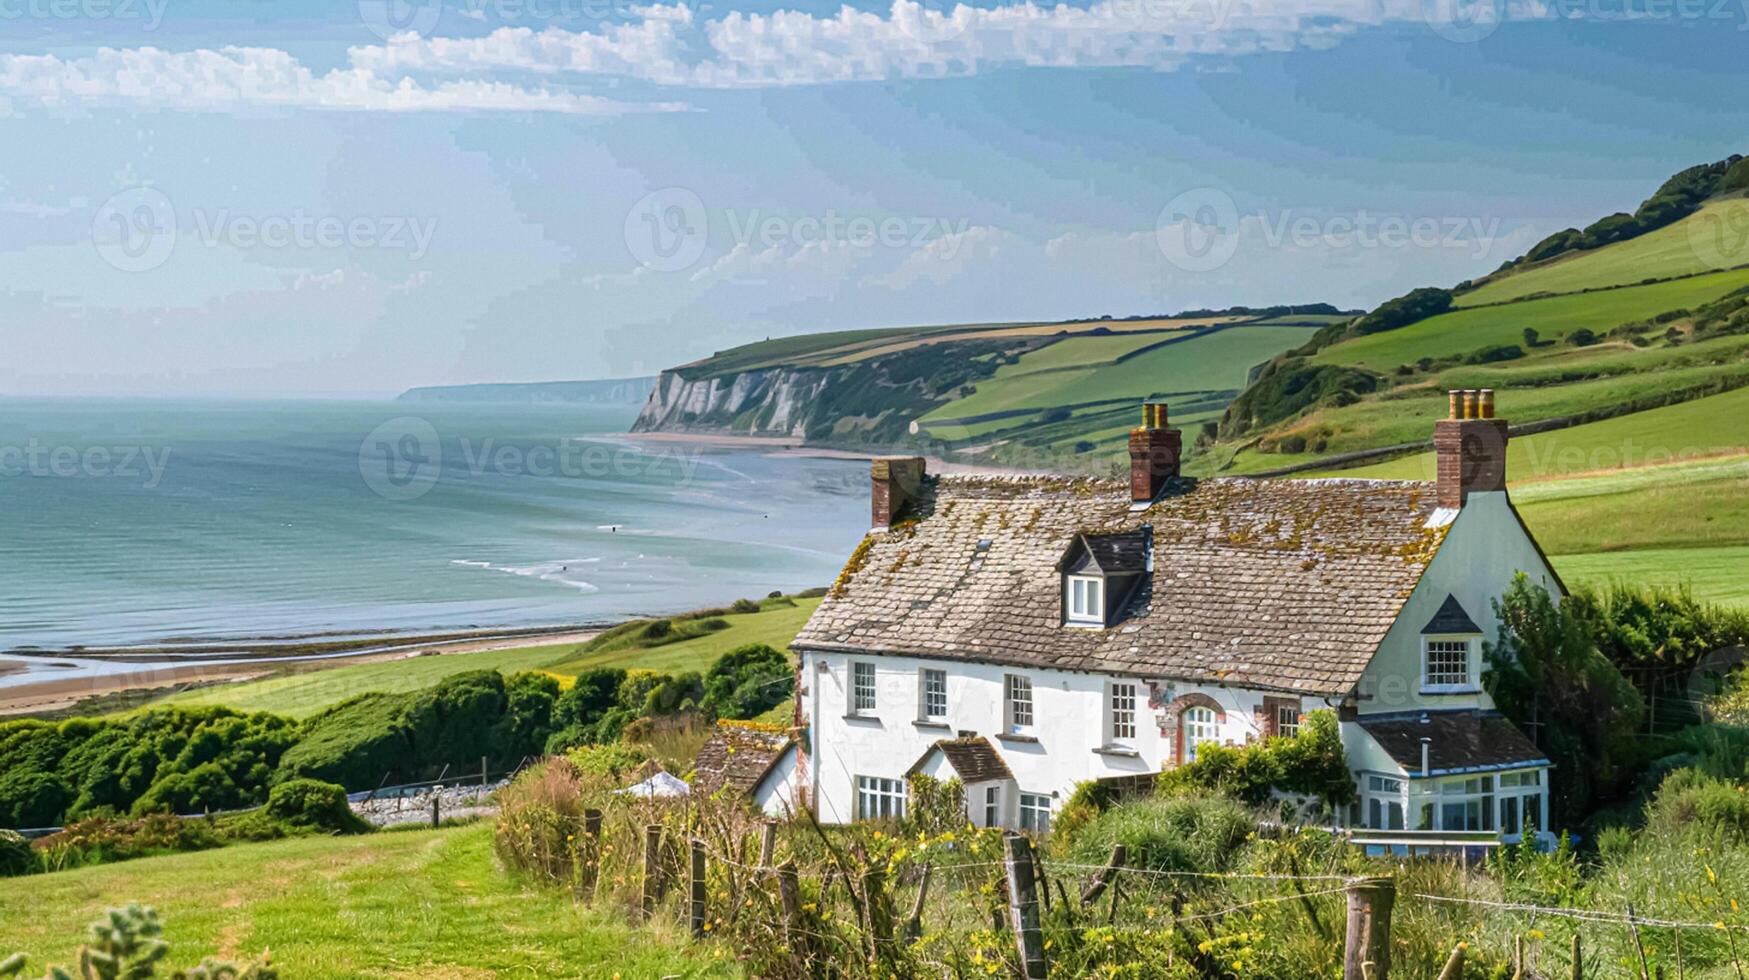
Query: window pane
[[1123, 711], [1448, 662], [1019, 701], [935, 694], [863, 686]]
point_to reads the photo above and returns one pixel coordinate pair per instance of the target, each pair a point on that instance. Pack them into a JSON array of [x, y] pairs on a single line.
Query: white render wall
[[777, 794], [1070, 722]]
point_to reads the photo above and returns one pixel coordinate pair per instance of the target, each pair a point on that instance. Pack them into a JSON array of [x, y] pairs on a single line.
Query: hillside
[[1621, 356], [1058, 394]]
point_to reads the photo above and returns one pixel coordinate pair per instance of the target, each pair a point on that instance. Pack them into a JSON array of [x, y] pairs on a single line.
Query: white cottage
[[1027, 634]]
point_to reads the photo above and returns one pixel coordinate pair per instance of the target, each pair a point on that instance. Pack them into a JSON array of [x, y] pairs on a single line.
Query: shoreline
[[785, 446], [60, 694]]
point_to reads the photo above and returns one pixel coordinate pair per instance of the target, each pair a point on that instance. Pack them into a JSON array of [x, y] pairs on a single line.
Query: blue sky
[[352, 198]]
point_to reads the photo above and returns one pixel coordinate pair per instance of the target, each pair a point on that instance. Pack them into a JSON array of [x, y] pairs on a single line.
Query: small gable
[[738, 756], [1124, 553], [973, 760], [1450, 620]]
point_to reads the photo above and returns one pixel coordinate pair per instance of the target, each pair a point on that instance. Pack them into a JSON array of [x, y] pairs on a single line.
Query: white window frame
[[993, 806], [879, 798], [864, 698], [925, 695], [1474, 794], [1209, 730], [1017, 712], [1443, 681], [1035, 812], [1122, 699], [1085, 600], [1386, 803], [1285, 728], [1518, 795]]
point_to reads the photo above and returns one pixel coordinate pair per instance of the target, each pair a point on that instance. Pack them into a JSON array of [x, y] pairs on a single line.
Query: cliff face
[[767, 402]]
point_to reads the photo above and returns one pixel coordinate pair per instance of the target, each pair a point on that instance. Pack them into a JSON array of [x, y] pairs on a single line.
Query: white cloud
[[789, 47], [234, 77], [950, 256]]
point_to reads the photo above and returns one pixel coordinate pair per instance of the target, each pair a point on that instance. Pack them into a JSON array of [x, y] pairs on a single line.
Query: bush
[[1168, 834], [1310, 764], [15, 854], [125, 944], [611, 761], [311, 803], [1411, 307], [748, 681], [745, 606], [1495, 353], [1691, 798]]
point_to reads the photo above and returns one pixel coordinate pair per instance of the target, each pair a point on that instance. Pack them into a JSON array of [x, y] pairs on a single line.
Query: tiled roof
[[1284, 584], [1451, 618], [974, 760], [738, 757], [1459, 741], [1125, 553]]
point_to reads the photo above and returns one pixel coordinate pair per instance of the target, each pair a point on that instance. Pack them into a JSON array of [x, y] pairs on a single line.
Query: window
[[1521, 802], [1123, 712], [862, 687], [1384, 803], [879, 799], [1196, 726], [1287, 720], [1086, 600], [934, 686], [1447, 664], [1035, 812], [1019, 698], [1467, 804], [992, 806]]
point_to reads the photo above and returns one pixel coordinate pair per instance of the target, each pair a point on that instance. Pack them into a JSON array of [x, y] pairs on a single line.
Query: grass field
[[305, 693], [410, 904], [1680, 249], [1718, 575], [1082, 370], [1464, 331]]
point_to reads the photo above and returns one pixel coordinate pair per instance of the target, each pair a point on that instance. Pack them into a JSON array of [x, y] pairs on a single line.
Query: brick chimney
[[896, 481], [1471, 447], [1154, 451]]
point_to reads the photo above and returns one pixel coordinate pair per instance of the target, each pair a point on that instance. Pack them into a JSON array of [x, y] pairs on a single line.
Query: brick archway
[[1173, 710]]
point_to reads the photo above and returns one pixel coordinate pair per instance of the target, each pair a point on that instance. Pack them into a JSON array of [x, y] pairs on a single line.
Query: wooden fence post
[[1366, 953], [592, 853], [1578, 960], [1454, 966], [652, 867], [1023, 908], [697, 887], [914, 924], [436, 795], [789, 893], [1103, 878], [484, 782], [767, 844]]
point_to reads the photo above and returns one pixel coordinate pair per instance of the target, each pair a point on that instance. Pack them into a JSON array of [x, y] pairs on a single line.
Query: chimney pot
[[896, 480], [1470, 447], [1155, 448]]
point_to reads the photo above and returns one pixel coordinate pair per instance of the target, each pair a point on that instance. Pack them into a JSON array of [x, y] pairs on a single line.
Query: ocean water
[[151, 522]]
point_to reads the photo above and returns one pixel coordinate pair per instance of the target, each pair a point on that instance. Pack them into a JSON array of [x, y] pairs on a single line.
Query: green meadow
[[402, 904], [1684, 248]]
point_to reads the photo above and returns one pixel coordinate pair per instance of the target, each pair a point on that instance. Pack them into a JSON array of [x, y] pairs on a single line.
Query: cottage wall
[[1070, 710]]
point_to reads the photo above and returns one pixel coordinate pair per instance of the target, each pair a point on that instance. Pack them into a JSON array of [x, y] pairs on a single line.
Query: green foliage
[[1411, 307], [125, 945], [310, 803], [748, 681], [934, 807], [1677, 198], [15, 854], [1310, 764], [1164, 833], [1546, 668], [1288, 387], [612, 760], [1691, 798]]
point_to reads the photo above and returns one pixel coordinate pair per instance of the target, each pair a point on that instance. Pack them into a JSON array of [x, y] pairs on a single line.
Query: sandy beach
[[59, 693]]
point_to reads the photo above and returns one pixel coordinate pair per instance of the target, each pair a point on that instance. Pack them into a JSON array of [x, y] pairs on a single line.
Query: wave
[[559, 572]]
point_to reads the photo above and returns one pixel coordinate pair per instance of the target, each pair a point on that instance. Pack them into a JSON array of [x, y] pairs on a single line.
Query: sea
[[174, 523]]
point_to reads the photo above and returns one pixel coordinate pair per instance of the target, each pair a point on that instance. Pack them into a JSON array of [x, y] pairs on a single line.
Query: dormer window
[[1100, 572], [1087, 599], [1448, 651]]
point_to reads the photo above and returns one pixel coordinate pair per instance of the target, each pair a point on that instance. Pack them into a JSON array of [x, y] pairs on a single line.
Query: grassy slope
[[1218, 360], [303, 694], [1718, 575], [1674, 250], [428, 904], [1464, 331]]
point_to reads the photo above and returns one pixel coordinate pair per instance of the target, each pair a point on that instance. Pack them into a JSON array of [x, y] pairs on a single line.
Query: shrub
[[747, 605], [1168, 834], [1310, 764], [1411, 307], [1288, 387], [15, 854], [314, 804], [1690, 798], [125, 944], [1495, 353], [610, 761], [748, 681]]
